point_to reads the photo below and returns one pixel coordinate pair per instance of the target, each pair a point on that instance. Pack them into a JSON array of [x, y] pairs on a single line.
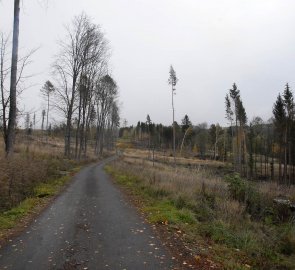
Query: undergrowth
[[40, 195], [21, 173], [28, 179]]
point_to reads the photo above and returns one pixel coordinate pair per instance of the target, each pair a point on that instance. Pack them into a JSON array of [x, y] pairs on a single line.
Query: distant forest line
[[257, 149]]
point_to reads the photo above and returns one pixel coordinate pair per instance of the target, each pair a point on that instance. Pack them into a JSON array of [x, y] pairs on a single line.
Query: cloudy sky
[[210, 44]]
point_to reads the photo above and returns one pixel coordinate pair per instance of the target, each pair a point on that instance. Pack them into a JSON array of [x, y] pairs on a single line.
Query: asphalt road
[[89, 226]]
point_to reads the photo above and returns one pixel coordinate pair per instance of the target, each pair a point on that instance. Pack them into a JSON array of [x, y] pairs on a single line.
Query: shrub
[[237, 187], [257, 206], [204, 212]]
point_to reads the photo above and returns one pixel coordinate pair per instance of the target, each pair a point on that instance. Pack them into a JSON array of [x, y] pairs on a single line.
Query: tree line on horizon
[[257, 149]]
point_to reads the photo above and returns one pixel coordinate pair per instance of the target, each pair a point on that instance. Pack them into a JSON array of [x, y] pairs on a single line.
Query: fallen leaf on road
[[198, 258]]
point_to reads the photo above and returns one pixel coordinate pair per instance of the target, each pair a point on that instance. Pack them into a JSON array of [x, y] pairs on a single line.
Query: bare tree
[[69, 66], [105, 97], [5, 70], [78, 67], [113, 122]]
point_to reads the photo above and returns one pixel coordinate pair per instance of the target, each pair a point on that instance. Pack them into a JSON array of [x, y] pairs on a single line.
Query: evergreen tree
[[173, 81], [149, 122], [46, 91], [186, 129], [185, 123], [236, 112]]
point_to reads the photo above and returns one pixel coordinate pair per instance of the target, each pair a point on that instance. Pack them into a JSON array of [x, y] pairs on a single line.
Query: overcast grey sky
[[210, 43]]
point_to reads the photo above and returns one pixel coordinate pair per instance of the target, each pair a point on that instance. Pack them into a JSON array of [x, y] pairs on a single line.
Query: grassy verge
[[229, 221], [156, 203]]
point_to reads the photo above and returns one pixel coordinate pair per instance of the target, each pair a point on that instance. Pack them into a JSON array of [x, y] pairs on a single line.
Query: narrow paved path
[[89, 226]]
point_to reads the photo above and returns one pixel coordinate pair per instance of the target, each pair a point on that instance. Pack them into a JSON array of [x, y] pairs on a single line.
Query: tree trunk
[[13, 80], [173, 128], [42, 125], [78, 126], [47, 112], [280, 163], [237, 147], [285, 157], [2, 93], [181, 147], [82, 128], [68, 137], [289, 159]]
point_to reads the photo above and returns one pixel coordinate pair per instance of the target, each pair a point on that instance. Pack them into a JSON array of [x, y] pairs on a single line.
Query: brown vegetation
[[228, 219], [35, 161]]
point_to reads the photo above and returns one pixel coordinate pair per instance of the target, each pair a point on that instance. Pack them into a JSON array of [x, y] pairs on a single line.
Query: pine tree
[[46, 91], [173, 81], [185, 123], [149, 122], [186, 129], [235, 111]]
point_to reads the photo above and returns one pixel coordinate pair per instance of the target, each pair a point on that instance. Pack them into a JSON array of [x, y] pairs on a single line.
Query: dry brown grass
[[37, 158], [274, 190], [199, 171], [33, 162], [177, 180], [241, 231], [182, 182], [166, 156]]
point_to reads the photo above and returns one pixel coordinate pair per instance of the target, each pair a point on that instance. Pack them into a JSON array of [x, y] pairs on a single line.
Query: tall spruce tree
[[235, 112], [185, 123], [173, 81], [46, 91]]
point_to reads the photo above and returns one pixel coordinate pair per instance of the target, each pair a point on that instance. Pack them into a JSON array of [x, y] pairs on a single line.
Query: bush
[[204, 212], [204, 207], [241, 190], [254, 205], [238, 188]]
